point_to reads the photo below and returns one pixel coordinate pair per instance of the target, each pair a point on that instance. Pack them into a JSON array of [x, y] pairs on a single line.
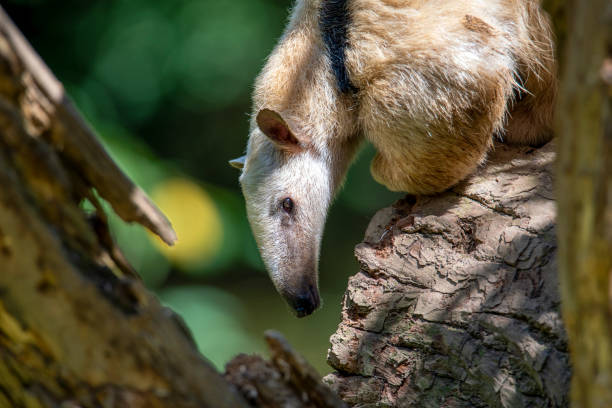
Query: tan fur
[[437, 80]]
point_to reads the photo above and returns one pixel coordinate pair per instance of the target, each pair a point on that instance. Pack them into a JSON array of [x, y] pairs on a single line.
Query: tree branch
[[74, 139]]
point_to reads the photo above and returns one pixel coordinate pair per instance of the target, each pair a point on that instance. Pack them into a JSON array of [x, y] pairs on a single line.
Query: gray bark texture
[[457, 301]]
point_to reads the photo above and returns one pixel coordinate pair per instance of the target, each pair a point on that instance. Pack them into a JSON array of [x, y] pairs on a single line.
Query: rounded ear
[[275, 127], [238, 163]]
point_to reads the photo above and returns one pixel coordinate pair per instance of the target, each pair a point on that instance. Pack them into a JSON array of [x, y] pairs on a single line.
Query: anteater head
[[287, 189]]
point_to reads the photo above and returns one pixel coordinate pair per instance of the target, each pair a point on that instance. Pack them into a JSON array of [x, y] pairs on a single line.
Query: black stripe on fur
[[334, 21]]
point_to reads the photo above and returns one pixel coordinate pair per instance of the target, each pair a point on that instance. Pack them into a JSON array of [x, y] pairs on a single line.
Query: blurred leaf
[[361, 192], [133, 239], [95, 103], [215, 319], [220, 50], [195, 219], [28, 2], [238, 241], [132, 55], [133, 156]]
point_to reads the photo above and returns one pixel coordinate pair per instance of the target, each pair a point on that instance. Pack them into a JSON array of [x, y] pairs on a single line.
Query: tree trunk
[[77, 328], [457, 303], [584, 188]]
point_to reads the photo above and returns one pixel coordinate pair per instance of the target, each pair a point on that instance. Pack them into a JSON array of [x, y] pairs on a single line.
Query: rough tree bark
[[77, 328], [457, 303], [73, 326], [584, 128]]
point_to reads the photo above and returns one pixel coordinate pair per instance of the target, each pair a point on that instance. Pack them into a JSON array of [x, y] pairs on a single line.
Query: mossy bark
[[77, 328]]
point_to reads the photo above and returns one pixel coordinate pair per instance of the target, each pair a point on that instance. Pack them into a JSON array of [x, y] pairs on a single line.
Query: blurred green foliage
[[167, 85]]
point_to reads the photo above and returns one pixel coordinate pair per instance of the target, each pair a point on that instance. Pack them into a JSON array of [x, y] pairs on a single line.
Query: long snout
[[301, 292], [296, 278], [303, 301]]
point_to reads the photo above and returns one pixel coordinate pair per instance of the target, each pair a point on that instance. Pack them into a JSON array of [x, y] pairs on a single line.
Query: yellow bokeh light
[[195, 219]]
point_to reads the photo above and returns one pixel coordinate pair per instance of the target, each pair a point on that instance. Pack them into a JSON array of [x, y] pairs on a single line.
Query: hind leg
[[530, 121], [531, 114]]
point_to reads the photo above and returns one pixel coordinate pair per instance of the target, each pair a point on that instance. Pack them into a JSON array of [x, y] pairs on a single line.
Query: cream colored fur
[[436, 82]]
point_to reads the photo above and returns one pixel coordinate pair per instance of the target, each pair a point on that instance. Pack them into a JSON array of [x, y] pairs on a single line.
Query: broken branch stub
[[286, 381], [74, 140]]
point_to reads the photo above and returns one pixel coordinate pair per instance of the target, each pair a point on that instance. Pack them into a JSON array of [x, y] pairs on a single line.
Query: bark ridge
[[457, 302]]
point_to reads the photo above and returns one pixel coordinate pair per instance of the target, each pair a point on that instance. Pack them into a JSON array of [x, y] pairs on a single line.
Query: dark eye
[[287, 205]]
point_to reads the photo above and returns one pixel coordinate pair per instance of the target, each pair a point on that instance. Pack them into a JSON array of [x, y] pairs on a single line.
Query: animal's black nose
[[307, 302]]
